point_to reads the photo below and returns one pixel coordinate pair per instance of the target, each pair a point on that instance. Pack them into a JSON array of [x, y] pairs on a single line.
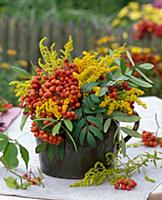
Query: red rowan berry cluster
[[160, 141], [32, 179], [5, 105], [45, 136], [113, 89], [112, 92], [125, 184], [149, 139], [60, 87]]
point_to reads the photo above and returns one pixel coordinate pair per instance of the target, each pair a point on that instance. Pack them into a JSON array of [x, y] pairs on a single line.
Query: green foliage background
[[41, 7]]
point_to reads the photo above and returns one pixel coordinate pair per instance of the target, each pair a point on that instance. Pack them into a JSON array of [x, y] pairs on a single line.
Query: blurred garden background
[[94, 25]]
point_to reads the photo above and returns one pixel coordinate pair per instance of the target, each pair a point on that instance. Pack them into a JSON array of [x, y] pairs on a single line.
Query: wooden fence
[[23, 34]]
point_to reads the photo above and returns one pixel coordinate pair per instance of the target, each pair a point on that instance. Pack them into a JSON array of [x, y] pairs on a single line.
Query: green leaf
[[88, 87], [94, 121], [56, 129], [82, 135], [88, 103], [149, 179], [88, 111], [25, 185], [3, 142], [91, 140], [117, 75], [103, 91], [68, 124], [144, 76], [21, 71], [146, 66], [123, 146], [23, 121], [130, 132], [116, 135], [41, 147], [94, 98], [60, 150], [123, 66], [79, 113], [123, 117], [10, 156], [130, 58], [25, 155], [51, 151], [43, 119], [96, 132], [78, 128], [107, 125], [11, 182], [72, 140], [139, 82], [99, 117]]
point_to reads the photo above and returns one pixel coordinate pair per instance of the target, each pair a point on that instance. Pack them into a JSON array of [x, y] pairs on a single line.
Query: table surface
[[147, 123]]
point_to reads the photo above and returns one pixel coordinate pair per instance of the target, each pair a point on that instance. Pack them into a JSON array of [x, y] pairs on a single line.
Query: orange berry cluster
[[112, 91], [149, 139], [160, 141], [125, 184], [58, 87], [32, 179], [44, 136], [5, 105]]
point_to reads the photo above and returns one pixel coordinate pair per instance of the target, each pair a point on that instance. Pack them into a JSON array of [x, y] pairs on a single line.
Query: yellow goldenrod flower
[[23, 63], [124, 35], [116, 22], [135, 15], [133, 5], [103, 50], [135, 12], [157, 57], [114, 45], [91, 68], [11, 52], [68, 48], [49, 106], [123, 102], [21, 88], [4, 65], [138, 50], [1, 50], [49, 56], [123, 12], [97, 90], [65, 104], [105, 39]]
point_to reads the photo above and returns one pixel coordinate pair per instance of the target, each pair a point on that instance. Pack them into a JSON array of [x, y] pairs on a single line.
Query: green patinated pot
[[75, 164]]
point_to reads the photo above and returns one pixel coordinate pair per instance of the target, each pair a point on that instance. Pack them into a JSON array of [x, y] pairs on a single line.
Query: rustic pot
[[75, 164]]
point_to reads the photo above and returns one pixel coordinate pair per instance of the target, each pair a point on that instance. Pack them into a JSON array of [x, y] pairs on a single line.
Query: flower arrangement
[[78, 100]]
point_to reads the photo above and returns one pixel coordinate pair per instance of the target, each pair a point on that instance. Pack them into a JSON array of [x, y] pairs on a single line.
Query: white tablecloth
[[58, 189]]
